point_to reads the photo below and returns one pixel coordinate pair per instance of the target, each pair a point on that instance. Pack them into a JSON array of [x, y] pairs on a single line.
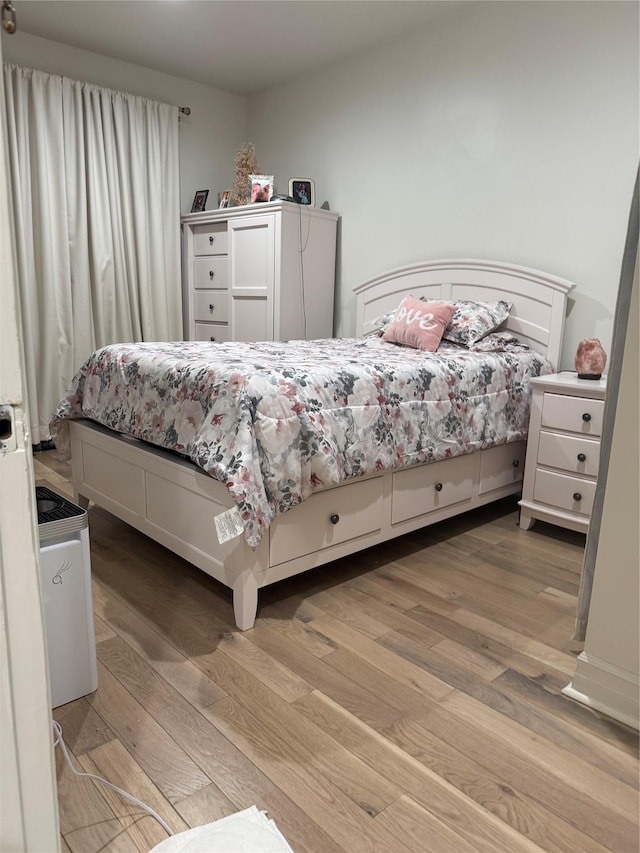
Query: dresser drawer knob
[[211, 273], [516, 463], [211, 306], [211, 240], [438, 487], [586, 417], [335, 518], [577, 496], [212, 338], [582, 457]]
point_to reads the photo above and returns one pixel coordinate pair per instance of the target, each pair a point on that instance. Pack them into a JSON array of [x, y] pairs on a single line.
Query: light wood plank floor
[[404, 699]]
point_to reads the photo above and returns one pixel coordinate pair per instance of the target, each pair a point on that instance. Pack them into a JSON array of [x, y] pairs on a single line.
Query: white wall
[[209, 137], [505, 131]]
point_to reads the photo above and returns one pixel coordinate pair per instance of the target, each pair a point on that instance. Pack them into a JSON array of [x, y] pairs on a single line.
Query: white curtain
[[95, 182]]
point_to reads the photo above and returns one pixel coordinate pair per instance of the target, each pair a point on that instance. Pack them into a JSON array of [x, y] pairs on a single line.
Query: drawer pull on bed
[[577, 496], [335, 518]]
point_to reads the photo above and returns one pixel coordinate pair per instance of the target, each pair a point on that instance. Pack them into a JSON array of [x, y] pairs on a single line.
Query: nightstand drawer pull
[[582, 457], [438, 487], [335, 518], [577, 496], [586, 417], [516, 463]]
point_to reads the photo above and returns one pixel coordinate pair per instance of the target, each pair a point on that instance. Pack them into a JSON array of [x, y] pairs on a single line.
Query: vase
[[590, 359]]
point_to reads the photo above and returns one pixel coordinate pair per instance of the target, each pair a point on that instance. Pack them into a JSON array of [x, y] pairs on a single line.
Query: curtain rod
[[186, 111]]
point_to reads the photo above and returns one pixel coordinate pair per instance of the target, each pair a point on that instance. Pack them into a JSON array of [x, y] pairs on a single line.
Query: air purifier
[[65, 576]]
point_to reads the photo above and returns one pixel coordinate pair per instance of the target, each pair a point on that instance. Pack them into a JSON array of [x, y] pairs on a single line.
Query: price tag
[[228, 524]]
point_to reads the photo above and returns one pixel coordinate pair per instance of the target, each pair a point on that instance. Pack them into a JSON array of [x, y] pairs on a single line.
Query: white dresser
[[259, 272], [563, 450]]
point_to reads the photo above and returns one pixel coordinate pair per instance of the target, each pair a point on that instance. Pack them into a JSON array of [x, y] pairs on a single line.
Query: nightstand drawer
[[210, 272], [575, 414], [569, 453], [211, 306], [570, 494], [210, 239]]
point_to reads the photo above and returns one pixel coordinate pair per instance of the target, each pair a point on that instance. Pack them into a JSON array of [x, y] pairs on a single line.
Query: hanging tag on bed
[[228, 524]]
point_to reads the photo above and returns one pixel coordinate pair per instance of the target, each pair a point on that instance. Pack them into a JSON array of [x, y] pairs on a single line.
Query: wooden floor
[[406, 699]]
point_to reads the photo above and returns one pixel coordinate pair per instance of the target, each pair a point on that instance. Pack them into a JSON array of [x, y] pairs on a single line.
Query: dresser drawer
[[569, 453], [211, 306], [355, 508], [426, 488], [210, 239], [218, 332], [575, 414], [501, 466], [560, 491], [210, 272]]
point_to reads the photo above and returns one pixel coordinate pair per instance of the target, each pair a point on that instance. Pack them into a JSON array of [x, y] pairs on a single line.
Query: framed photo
[[260, 188], [303, 190], [199, 201], [225, 199]]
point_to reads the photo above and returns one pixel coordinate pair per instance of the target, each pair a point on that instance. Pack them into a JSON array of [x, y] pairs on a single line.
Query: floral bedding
[[275, 421]]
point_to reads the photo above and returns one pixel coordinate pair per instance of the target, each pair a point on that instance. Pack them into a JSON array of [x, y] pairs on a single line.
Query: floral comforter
[[275, 421]]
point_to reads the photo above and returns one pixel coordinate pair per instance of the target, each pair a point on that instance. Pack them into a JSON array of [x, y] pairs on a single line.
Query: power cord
[[301, 258], [59, 741]]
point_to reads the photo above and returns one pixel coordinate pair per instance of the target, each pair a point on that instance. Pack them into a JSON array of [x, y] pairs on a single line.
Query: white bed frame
[[174, 502]]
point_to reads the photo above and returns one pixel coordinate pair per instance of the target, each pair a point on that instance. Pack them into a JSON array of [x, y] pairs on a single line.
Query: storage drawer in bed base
[[174, 503]]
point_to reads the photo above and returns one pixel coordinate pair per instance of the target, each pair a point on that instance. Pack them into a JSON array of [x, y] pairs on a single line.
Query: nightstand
[[563, 450]]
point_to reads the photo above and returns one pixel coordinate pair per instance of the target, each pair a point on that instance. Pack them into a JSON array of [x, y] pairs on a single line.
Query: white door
[[28, 801], [252, 260]]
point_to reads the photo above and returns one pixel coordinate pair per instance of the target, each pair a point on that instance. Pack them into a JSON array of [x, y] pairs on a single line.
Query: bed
[[240, 516]]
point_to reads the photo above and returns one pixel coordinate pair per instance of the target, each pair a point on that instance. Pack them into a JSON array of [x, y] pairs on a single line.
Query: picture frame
[[303, 190], [225, 199], [260, 188], [199, 201]]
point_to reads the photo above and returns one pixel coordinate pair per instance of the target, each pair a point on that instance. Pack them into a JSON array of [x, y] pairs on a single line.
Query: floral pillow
[[471, 321], [419, 324], [499, 342]]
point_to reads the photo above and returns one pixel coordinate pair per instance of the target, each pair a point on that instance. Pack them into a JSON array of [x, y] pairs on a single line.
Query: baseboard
[[606, 688]]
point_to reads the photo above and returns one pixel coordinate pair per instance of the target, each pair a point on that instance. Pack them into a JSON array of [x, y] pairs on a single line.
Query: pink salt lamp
[[590, 359]]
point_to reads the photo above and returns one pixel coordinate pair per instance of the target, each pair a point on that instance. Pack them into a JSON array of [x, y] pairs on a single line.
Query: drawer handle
[[438, 487], [586, 417], [516, 463], [211, 273], [577, 496], [335, 518], [211, 240], [211, 306], [212, 338], [582, 457]]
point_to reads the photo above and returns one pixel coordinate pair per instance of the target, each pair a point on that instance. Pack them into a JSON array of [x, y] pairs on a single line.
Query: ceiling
[[241, 46]]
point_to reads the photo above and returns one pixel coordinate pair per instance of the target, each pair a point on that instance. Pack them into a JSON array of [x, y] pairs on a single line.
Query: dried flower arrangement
[[246, 164]]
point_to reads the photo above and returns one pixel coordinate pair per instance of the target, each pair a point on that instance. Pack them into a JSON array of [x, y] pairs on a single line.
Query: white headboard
[[539, 300]]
